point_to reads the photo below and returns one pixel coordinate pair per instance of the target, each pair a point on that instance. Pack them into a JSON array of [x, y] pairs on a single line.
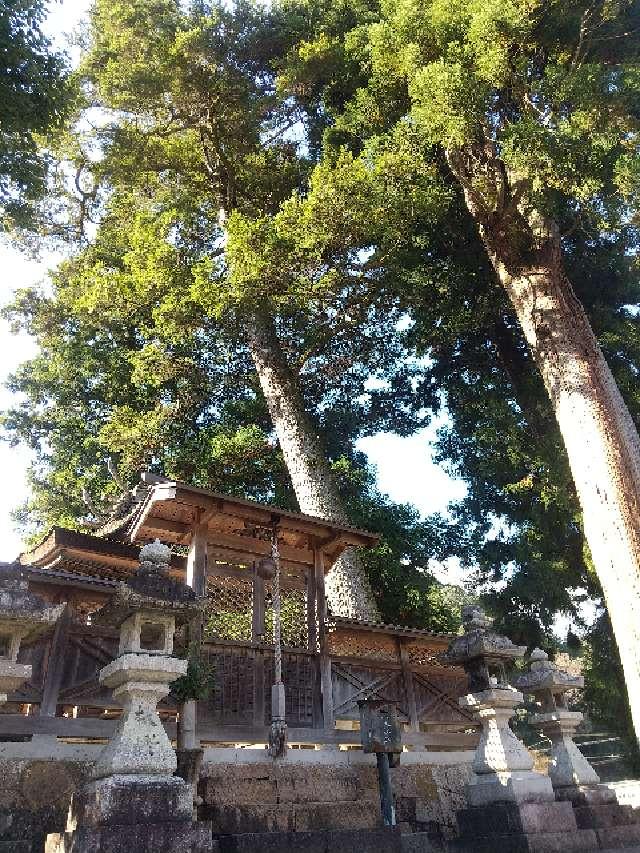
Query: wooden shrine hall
[[222, 546]]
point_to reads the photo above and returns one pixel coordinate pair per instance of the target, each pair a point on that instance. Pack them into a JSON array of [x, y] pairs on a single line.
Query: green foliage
[[33, 99], [196, 683]]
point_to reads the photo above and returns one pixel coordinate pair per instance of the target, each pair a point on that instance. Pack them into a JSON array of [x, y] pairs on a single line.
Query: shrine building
[[54, 725]]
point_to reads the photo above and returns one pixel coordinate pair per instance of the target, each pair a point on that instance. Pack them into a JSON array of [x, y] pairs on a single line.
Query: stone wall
[[328, 789], [35, 792], [242, 791]]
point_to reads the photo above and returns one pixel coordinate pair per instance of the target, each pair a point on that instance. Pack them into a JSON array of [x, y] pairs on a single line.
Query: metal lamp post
[[380, 733]]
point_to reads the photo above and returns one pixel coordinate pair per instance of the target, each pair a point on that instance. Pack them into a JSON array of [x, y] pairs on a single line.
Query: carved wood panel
[[242, 680], [36, 655], [437, 698], [85, 656], [232, 696], [352, 683]]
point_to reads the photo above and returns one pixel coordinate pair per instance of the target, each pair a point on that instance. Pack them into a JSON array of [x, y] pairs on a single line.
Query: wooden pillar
[[325, 657], [312, 630], [257, 615], [197, 560], [197, 580], [55, 663], [409, 686]]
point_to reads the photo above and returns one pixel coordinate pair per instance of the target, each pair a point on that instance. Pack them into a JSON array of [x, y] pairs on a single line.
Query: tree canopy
[[33, 99], [299, 159]]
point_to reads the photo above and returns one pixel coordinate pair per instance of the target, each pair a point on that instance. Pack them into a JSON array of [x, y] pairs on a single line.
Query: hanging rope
[[278, 728]]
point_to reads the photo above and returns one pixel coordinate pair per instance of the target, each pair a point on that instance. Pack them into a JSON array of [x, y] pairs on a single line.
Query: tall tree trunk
[[348, 589], [599, 434]]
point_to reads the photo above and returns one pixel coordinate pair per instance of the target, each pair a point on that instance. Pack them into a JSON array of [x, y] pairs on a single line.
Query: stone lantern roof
[[544, 676], [480, 642], [20, 609], [151, 588]]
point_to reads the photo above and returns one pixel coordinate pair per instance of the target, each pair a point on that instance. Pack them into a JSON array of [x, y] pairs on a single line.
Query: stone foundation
[[241, 788]]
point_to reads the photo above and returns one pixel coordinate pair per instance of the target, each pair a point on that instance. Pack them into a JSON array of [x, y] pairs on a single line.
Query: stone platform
[[529, 827], [328, 790], [166, 837]]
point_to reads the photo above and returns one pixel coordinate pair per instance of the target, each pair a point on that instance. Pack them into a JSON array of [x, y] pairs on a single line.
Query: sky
[[406, 471]]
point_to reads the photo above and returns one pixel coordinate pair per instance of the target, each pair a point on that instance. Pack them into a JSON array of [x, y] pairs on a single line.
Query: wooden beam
[[257, 623], [312, 611], [288, 580], [96, 727], [260, 547], [166, 525]]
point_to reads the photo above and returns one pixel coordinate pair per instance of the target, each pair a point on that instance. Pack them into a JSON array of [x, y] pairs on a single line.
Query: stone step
[[291, 817], [421, 842], [516, 818], [383, 840], [634, 849], [600, 816]]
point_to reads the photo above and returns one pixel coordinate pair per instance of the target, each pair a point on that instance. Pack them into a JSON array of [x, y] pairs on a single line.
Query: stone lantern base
[[512, 809], [123, 814], [596, 808], [133, 803]]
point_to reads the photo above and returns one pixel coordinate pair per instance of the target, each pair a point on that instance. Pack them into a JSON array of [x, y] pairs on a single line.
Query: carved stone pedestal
[[140, 744], [521, 827], [511, 808], [502, 766], [122, 814], [569, 770]]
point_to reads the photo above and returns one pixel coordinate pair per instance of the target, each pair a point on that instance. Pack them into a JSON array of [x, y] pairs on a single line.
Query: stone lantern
[[569, 770], [146, 611], [503, 768], [574, 780], [22, 617], [510, 807], [133, 801]]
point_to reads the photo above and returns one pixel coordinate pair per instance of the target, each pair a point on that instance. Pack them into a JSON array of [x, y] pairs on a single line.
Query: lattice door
[[233, 694]]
